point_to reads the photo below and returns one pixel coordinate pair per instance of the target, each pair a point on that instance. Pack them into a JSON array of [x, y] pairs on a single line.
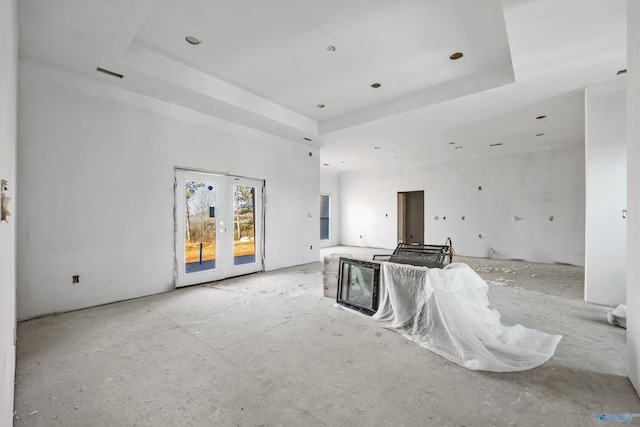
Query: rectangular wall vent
[[110, 73]]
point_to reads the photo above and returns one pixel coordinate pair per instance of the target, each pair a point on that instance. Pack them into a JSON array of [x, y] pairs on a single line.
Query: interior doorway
[[411, 217], [218, 226]]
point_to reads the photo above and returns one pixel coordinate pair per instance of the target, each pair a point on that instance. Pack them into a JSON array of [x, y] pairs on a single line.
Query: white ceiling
[[265, 64]]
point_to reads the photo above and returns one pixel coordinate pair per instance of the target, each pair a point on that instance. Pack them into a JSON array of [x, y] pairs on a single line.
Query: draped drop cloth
[[447, 311]]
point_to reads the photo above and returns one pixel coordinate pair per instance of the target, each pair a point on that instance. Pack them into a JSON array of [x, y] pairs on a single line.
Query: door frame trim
[[402, 212]]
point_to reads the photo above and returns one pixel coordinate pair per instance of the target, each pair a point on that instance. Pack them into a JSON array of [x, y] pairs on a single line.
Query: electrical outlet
[[75, 279], [311, 247]]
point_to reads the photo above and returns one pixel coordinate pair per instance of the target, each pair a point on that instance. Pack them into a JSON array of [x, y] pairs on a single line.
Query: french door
[[218, 226]]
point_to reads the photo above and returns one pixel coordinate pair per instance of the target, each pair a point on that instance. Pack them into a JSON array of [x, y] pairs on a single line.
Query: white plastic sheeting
[[618, 317], [447, 311]]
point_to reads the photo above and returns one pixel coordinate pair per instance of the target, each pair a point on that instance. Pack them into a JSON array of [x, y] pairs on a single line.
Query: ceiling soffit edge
[[468, 85]]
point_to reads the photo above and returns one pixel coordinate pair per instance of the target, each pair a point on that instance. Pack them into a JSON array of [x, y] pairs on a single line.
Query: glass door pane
[[200, 226], [325, 216], [244, 220]]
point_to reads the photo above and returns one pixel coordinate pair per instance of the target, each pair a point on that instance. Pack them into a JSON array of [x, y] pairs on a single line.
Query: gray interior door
[[414, 217]]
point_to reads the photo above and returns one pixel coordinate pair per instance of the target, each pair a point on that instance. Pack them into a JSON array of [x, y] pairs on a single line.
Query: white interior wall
[[532, 186], [8, 87], [330, 184], [606, 193], [633, 192], [96, 165]]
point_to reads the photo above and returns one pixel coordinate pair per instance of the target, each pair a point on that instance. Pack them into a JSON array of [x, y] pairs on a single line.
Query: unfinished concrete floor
[[269, 350]]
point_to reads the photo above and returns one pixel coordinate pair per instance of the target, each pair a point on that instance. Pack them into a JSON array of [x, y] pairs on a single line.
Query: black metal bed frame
[[432, 256]]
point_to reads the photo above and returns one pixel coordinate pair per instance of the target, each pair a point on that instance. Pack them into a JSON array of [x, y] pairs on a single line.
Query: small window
[[325, 217], [358, 283]]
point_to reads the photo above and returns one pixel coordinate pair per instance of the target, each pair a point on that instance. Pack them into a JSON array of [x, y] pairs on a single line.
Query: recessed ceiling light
[[456, 55], [331, 48], [621, 72], [375, 85], [539, 134], [109, 73], [495, 145], [540, 117], [307, 139], [192, 40], [377, 148], [320, 105]]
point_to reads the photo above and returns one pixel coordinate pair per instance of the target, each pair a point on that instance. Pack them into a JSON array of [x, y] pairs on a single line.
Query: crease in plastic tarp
[[447, 312]]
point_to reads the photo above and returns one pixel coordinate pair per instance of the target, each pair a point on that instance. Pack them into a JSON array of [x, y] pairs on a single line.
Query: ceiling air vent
[[110, 73]]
